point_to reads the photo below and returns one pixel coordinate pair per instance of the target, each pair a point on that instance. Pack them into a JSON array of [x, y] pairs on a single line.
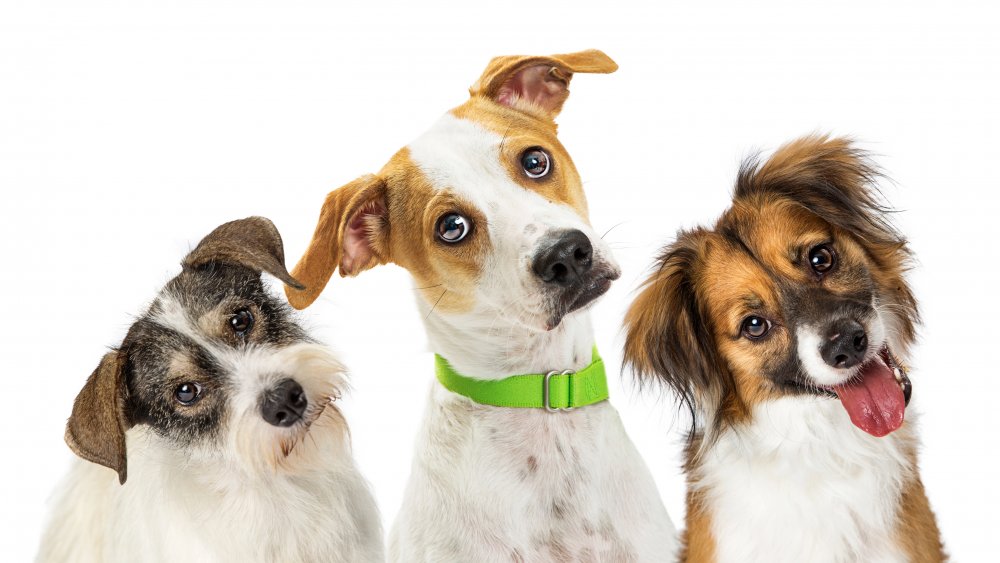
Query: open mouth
[[875, 398], [598, 285]]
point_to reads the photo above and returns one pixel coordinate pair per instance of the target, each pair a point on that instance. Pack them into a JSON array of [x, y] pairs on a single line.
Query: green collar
[[554, 391]]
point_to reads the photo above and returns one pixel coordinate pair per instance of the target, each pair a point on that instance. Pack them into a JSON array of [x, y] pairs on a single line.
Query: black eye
[[241, 322], [453, 227], [822, 259], [535, 162], [187, 393], [755, 327]]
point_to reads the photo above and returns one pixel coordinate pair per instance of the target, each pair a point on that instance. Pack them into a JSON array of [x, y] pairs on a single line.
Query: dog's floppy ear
[[537, 83], [253, 242], [666, 333], [96, 429], [349, 236]]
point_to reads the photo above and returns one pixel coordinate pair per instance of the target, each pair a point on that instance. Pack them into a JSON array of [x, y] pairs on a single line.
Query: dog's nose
[[845, 344], [284, 404], [565, 260]]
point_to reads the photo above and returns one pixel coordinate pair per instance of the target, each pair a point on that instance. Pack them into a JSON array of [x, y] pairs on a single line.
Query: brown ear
[[532, 83], [96, 429], [253, 242], [666, 334], [349, 236]]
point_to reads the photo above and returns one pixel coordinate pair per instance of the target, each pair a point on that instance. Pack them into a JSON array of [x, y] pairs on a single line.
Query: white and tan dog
[[219, 408], [487, 212]]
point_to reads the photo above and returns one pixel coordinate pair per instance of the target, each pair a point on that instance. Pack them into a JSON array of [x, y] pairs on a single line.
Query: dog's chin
[[294, 440], [580, 297], [316, 441]]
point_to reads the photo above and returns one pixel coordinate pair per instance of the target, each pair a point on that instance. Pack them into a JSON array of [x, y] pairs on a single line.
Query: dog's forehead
[[212, 283], [461, 156], [775, 233], [736, 282], [474, 153]]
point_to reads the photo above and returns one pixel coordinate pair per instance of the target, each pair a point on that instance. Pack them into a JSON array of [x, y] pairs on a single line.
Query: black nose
[[565, 260], [845, 344], [284, 404]]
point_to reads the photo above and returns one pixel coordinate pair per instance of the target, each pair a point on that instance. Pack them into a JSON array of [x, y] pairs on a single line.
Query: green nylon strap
[[585, 387]]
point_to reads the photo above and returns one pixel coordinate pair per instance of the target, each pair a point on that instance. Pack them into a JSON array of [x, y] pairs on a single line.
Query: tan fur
[[520, 130], [557, 71], [325, 252], [917, 530], [698, 543]]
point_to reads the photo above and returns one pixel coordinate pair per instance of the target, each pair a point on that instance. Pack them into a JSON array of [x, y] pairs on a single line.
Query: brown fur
[[917, 530], [684, 327], [697, 543], [399, 206], [96, 429]]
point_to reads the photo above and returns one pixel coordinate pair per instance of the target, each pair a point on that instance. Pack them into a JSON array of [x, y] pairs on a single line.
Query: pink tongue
[[874, 400]]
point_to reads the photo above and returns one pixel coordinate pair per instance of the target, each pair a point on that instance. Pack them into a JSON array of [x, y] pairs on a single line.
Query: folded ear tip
[[298, 297], [603, 61]]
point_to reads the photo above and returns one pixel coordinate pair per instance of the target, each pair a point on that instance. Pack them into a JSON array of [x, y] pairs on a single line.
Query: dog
[[784, 328], [218, 409], [487, 213]]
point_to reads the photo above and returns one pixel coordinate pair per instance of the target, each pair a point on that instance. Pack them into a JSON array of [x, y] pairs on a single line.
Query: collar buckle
[[546, 399]]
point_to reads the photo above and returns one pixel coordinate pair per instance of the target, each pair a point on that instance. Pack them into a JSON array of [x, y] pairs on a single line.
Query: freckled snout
[[845, 344], [284, 404], [565, 261]]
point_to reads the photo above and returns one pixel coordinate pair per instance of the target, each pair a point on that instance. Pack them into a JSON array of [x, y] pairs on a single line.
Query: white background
[[130, 129]]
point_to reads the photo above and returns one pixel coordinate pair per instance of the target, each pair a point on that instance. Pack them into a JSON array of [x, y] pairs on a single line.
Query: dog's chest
[[563, 501], [533, 486], [802, 484]]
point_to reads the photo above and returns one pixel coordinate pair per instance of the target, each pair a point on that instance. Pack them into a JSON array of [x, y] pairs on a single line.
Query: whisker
[[435, 304], [612, 228]]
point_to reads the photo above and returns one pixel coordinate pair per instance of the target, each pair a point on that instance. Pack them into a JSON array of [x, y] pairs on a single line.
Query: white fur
[[234, 498], [801, 483], [524, 485], [823, 374]]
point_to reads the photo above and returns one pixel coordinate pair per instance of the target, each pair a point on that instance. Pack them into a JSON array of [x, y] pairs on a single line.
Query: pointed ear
[[350, 235], [666, 334], [96, 429], [253, 242], [537, 84]]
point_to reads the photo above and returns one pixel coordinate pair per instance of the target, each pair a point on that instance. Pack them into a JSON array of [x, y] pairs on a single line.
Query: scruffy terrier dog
[[783, 329], [220, 409]]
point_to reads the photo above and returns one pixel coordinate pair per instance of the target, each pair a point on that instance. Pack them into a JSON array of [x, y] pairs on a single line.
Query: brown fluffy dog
[[793, 300]]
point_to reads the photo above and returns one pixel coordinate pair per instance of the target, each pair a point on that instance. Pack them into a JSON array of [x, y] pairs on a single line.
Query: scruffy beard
[[317, 439]]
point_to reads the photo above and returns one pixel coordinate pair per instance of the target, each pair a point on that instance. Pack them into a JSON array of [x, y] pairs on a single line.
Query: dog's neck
[[486, 345]]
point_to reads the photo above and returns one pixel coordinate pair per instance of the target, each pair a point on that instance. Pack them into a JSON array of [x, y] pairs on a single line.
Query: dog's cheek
[[758, 366]]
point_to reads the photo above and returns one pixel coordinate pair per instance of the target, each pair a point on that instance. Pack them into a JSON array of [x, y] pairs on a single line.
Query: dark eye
[[241, 322], [822, 259], [453, 227], [535, 162], [187, 393], [754, 327]]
